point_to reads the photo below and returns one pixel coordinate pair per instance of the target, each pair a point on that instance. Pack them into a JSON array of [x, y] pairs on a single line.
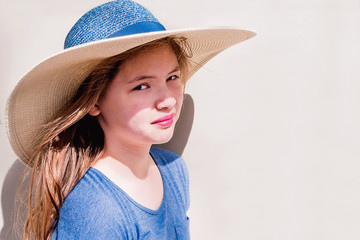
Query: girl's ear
[[94, 110]]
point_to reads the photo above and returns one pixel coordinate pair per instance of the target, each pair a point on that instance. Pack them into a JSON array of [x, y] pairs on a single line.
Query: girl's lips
[[165, 121]]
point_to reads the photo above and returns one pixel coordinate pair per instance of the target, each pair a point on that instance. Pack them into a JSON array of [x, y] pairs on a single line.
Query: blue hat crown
[[112, 19]]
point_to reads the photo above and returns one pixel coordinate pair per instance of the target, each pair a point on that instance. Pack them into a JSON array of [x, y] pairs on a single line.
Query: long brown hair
[[74, 140]]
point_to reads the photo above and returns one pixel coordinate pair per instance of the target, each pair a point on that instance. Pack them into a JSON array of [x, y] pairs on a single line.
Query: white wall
[[274, 151]]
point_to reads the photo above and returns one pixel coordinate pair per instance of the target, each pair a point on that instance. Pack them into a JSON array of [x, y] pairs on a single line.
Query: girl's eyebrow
[[142, 77], [175, 70]]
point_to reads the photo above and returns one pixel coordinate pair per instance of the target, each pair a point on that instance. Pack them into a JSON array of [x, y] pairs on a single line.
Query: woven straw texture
[[104, 20]]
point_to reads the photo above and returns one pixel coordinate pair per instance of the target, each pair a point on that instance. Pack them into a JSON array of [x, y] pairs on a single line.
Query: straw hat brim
[[49, 86]]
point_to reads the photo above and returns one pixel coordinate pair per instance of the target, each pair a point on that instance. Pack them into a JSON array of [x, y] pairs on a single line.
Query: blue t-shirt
[[98, 209]]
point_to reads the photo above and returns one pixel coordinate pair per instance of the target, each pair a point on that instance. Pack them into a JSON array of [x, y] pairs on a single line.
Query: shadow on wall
[[14, 212]]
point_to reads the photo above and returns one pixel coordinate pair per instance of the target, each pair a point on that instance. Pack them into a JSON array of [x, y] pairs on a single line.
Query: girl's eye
[[141, 87], [173, 77]]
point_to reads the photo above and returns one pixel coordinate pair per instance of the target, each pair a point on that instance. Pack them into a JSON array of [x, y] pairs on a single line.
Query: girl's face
[[143, 102]]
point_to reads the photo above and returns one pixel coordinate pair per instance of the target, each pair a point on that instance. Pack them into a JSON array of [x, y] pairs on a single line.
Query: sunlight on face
[[143, 102]]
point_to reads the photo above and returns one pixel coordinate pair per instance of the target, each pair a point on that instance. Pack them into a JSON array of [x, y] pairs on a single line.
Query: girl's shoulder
[[170, 162], [164, 157], [89, 194], [90, 211], [175, 174]]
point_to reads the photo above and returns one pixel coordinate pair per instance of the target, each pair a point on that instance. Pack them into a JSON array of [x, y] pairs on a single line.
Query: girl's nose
[[165, 100]]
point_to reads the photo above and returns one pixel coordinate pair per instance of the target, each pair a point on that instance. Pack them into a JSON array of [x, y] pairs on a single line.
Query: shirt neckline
[[131, 200]]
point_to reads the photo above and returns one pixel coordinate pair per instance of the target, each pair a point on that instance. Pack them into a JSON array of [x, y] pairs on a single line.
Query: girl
[[86, 120]]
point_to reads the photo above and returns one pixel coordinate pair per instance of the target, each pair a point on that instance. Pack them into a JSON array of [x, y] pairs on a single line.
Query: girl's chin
[[162, 141], [164, 138]]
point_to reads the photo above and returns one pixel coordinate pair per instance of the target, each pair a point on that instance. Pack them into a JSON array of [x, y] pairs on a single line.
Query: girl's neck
[[134, 158], [134, 171]]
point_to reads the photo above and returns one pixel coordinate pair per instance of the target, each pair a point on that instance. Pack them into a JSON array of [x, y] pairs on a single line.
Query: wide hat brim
[[49, 86]]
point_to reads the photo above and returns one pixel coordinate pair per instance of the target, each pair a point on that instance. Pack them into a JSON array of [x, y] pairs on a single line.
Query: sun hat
[[102, 32]]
